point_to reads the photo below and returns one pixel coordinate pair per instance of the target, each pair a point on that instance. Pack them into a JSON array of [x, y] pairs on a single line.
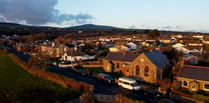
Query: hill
[[93, 27], [13, 28]]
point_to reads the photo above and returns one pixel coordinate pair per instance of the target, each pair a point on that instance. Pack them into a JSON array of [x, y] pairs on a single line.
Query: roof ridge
[[196, 66]]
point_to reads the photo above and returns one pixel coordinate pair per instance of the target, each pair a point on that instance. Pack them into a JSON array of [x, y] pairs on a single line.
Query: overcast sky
[[181, 15]]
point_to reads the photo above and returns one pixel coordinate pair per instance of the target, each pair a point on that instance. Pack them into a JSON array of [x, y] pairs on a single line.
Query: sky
[[178, 15]]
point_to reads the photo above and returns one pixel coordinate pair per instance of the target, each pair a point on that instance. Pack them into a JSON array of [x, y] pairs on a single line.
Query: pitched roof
[[126, 57], [74, 52], [157, 58], [194, 72]]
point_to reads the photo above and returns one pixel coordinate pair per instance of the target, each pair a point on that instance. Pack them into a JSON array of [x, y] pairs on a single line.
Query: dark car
[[153, 95], [81, 71], [166, 101], [106, 77]]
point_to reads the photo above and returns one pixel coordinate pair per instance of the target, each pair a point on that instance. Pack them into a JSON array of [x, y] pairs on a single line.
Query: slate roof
[[125, 57], [194, 72], [73, 52], [157, 58]]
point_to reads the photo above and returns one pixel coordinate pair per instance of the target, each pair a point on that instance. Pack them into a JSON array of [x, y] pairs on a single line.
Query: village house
[[148, 66], [165, 39], [188, 48], [177, 36], [180, 48], [190, 59], [191, 41], [194, 78], [75, 54], [25, 47], [129, 46], [195, 49], [206, 40], [52, 49], [200, 36]]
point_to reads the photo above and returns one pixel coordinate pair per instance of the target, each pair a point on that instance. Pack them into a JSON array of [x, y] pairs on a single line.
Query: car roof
[[106, 75], [130, 80], [166, 101], [152, 90]]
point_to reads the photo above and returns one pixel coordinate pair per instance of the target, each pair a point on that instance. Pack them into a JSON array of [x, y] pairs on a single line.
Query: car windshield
[[108, 77], [135, 84]]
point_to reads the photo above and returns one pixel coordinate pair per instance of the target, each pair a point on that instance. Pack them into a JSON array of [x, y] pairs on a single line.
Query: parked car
[[106, 77], [166, 101], [129, 83], [81, 71], [153, 95]]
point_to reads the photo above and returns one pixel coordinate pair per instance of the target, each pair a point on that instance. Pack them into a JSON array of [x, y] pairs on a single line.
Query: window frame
[[137, 70], [146, 71], [117, 65], [184, 81], [206, 89]]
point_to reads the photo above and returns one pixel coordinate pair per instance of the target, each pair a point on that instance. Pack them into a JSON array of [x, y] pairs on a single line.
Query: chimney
[[65, 49], [53, 44], [75, 48]]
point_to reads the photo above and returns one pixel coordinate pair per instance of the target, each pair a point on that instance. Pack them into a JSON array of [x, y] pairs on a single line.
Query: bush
[[201, 97], [94, 69], [175, 85]]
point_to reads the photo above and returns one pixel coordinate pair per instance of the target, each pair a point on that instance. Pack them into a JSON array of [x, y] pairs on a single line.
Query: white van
[[128, 83]]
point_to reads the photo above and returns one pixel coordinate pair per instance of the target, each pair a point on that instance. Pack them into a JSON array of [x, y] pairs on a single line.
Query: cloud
[[38, 12]]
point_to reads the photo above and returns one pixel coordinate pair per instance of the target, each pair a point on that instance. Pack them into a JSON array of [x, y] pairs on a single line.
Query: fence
[[92, 65], [74, 101], [101, 98], [182, 99]]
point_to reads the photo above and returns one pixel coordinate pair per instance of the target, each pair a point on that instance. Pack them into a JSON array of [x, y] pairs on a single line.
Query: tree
[[39, 36], [153, 33], [40, 60]]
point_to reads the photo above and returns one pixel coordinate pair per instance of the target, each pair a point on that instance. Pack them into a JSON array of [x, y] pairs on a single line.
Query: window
[[193, 86], [108, 67], [124, 65], [206, 86], [137, 70], [117, 65], [146, 71], [185, 83]]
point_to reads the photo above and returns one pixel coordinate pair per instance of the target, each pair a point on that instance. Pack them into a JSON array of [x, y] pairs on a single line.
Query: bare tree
[[40, 60]]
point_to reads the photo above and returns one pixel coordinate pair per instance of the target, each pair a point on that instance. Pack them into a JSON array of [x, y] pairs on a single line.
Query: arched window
[[137, 70], [146, 71]]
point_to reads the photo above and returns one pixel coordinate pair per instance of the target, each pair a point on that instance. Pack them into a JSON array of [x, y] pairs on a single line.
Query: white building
[[74, 54]]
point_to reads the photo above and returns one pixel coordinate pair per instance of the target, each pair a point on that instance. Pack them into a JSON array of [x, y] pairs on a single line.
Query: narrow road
[[101, 87]]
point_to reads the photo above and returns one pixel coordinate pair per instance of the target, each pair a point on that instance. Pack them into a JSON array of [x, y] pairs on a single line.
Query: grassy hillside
[[17, 85]]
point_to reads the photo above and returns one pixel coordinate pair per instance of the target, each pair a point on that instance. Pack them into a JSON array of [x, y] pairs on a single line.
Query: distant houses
[[188, 48], [65, 52]]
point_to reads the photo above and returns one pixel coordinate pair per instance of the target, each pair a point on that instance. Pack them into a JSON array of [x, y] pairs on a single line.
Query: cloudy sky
[[181, 15]]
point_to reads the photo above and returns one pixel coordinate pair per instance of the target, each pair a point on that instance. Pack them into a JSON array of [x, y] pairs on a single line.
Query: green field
[[18, 86]]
